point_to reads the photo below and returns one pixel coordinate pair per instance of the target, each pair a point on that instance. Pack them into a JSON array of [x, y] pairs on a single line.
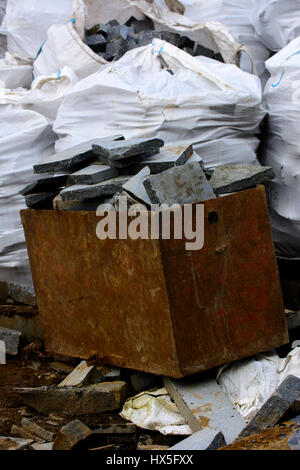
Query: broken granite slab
[[186, 184], [231, 178], [167, 158], [135, 187], [11, 339], [121, 428], [92, 174], [22, 294], [71, 159], [79, 376], [206, 439], [44, 184], [84, 205], [36, 430], [119, 32], [41, 200], [86, 400], [275, 407], [126, 161], [71, 435], [14, 443], [105, 188], [96, 42], [205, 407], [114, 151], [115, 49], [42, 446]]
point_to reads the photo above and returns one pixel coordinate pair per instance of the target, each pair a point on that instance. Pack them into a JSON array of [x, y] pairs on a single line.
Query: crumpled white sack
[[250, 382], [203, 102], [154, 410]]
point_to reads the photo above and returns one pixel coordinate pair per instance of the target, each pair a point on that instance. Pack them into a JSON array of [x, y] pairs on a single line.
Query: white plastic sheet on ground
[[27, 21], [250, 382], [204, 102], [156, 411], [282, 148], [25, 138]]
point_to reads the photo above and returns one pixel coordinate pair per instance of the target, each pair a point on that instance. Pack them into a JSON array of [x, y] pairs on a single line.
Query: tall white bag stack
[[160, 91], [282, 147], [25, 138]]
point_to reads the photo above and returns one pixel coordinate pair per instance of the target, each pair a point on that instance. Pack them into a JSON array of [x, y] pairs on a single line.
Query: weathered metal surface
[[151, 305], [228, 302]]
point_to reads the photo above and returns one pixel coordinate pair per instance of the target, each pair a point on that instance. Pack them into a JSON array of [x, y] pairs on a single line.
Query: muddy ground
[[37, 370]]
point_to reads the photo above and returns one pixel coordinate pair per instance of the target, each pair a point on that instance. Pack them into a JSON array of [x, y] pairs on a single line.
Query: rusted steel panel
[[149, 304], [228, 304]]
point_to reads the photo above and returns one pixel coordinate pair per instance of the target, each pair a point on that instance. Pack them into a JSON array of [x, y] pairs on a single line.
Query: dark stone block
[[115, 49], [200, 50], [147, 38], [97, 42], [92, 174], [45, 184], [105, 188], [141, 25], [119, 32], [275, 407], [72, 159], [112, 23], [115, 151], [41, 200]]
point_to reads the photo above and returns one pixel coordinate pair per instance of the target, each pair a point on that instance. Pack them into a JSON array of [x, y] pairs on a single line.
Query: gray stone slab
[[115, 49], [105, 374], [186, 184], [167, 158], [77, 205], [135, 187], [119, 32], [96, 42], [11, 339], [148, 36], [41, 200], [45, 184], [105, 188], [71, 434], [275, 407], [92, 174], [22, 294], [128, 148], [121, 428], [14, 443], [71, 159], [79, 376], [205, 406], [207, 439], [231, 178], [141, 381], [88, 399], [126, 162]]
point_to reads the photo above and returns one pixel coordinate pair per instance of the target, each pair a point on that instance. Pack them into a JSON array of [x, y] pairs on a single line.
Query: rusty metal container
[[150, 305]]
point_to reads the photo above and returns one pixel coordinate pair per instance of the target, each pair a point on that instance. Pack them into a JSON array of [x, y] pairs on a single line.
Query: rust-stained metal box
[[151, 305]]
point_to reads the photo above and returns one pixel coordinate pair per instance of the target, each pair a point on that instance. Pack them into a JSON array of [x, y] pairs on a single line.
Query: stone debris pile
[[144, 170], [112, 40]]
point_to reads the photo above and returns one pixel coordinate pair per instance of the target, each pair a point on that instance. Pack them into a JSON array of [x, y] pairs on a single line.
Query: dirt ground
[[36, 371]]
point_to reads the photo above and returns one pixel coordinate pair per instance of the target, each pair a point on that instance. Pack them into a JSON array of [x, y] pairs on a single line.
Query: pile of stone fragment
[[112, 40], [144, 170]]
